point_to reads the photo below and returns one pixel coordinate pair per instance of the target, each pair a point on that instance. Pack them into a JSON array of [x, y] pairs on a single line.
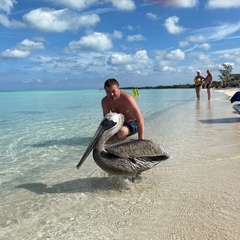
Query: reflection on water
[[209, 104], [198, 109]]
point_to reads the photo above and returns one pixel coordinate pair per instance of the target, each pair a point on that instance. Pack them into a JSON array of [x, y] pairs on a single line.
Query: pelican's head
[[117, 118], [109, 126]]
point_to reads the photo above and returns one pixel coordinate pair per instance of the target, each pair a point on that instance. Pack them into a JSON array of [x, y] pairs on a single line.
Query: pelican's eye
[[107, 123]]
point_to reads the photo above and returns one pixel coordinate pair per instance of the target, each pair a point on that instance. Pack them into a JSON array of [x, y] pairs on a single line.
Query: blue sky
[[70, 44]]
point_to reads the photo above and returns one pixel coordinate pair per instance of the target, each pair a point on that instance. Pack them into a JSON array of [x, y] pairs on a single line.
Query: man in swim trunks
[[208, 83], [198, 83], [122, 102]]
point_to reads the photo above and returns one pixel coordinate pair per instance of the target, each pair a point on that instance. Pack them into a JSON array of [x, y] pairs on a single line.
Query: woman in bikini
[[198, 83]]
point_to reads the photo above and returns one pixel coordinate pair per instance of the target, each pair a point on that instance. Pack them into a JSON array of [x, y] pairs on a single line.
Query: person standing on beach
[[208, 83], [122, 102], [198, 83]]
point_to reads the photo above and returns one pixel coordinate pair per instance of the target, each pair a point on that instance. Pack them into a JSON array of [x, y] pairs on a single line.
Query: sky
[[70, 44]]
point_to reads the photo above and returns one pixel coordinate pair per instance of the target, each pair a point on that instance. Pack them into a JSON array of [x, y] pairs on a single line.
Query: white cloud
[[137, 37], [129, 27], [28, 45], [98, 61], [73, 4], [222, 31], [117, 59], [39, 80], [129, 68], [7, 5], [160, 54], [81, 4], [127, 5], [215, 33], [205, 46], [168, 69], [231, 54], [141, 56], [11, 24], [178, 3], [117, 34], [94, 42], [163, 63], [228, 56], [186, 3], [171, 25], [191, 48], [202, 57], [176, 55], [22, 50], [197, 38], [14, 53], [183, 43], [50, 20], [152, 16], [223, 4], [231, 50], [120, 59]]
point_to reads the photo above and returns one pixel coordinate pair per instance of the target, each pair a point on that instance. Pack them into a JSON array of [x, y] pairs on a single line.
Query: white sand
[[228, 91]]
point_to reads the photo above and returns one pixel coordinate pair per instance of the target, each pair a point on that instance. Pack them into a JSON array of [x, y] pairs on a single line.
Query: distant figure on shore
[[208, 83], [198, 83], [122, 102], [135, 92]]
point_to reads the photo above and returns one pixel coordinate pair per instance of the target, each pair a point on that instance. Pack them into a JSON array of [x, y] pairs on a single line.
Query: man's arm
[[135, 111], [140, 125]]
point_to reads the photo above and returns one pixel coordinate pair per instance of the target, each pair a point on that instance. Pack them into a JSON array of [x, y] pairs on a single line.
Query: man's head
[[112, 88], [110, 82]]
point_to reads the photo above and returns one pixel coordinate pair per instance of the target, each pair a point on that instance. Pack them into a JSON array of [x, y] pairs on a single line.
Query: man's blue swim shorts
[[132, 126]]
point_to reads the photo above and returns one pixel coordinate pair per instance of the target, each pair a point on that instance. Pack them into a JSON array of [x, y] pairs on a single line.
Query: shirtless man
[[122, 102], [208, 83]]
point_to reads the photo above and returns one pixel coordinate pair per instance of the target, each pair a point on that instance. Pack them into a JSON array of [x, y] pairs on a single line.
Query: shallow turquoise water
[[192, 195], [45, 131]]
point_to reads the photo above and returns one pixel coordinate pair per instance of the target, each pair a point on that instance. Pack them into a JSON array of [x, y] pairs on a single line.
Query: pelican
[[128, 158]]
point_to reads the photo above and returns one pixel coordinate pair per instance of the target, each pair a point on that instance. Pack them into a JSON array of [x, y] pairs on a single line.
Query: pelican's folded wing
[[136, 148]]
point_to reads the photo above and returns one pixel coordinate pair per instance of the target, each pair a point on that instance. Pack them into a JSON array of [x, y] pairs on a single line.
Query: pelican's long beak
[[104, 125]]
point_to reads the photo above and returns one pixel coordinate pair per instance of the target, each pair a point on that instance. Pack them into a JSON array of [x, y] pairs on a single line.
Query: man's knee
[[123, 133]]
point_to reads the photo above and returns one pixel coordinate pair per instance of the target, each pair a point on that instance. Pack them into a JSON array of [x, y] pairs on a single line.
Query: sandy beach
[[228, 91], [192, 195]]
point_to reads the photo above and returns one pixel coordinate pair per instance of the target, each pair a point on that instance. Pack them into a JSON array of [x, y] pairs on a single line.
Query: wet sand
[[192, 195]]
